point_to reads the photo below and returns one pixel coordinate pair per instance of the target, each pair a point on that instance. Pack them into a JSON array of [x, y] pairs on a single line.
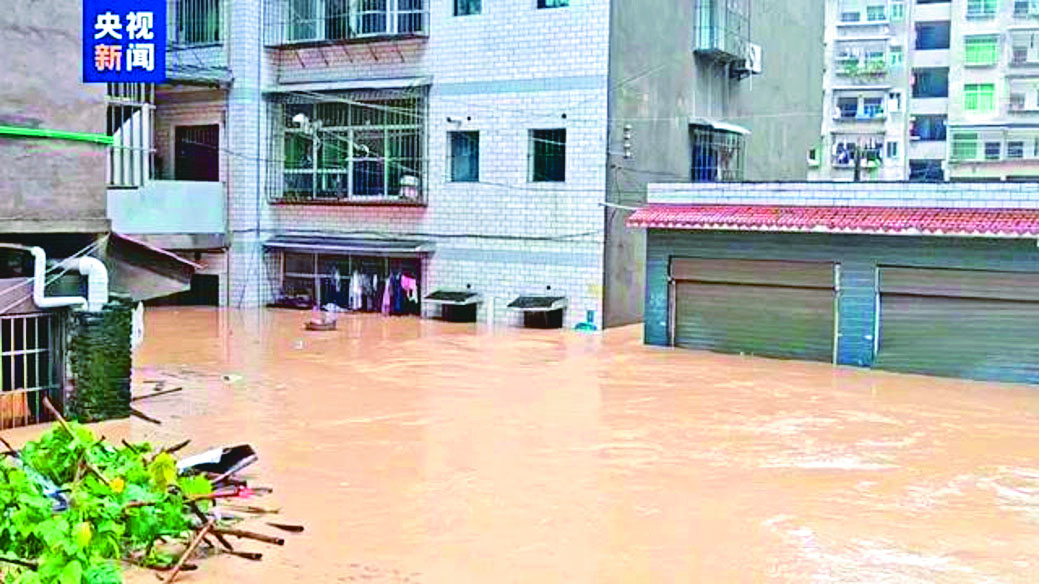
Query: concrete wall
[[858, 256], [657, 84], [168, 207], [783, 106], [49, 185]]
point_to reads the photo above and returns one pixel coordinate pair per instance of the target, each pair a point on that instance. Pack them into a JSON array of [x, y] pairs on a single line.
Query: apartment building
[[929, 90], [305, 151]]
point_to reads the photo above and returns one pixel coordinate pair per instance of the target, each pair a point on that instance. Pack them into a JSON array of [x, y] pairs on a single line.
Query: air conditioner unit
[[753, 56]]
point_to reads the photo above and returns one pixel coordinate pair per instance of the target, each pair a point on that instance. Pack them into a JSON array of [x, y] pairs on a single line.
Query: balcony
[[302, 23], [869, 69], [347, 148], [722, 29], [873, 13], [165, 212], [1026, 9], [197, 34]]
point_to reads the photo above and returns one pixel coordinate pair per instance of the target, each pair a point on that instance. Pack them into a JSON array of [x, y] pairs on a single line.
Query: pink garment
[[410, 286], [386, 298]]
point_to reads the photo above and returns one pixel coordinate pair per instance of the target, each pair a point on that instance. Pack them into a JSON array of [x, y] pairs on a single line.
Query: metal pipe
[[39, 283], [21, 132]]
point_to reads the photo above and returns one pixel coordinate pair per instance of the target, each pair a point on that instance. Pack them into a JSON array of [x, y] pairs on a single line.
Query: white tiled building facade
[[510, 69]]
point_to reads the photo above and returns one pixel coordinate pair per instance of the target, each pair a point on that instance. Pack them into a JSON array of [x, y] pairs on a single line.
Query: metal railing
[[31, 368], [197, 34], [722, 28], [353, 147], [129, 122], [299, 22]]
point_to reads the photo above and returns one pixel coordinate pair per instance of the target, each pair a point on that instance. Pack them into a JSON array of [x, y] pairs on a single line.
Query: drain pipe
[[92, 268]]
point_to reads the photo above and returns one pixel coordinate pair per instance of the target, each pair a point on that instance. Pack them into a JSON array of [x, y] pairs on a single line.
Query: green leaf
[[82, 534], [72, 574], [163, 471]]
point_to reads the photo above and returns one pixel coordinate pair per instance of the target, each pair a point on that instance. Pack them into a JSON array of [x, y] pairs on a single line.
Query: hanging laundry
[[355, 291], [386, 296], [410, 286]]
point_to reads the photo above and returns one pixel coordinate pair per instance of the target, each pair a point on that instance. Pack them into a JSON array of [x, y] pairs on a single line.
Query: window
[[979, 97], [31, 366], [197, 153], [898, 11], [876, 13], [964, 146], [465, 156], [982, 50], [926, 171], [848, 107], [993, 150], [467, 7], [873, 107], [850, 10], [553, 3], [1026, 8], [1017, 102], [932, 35], [717, 155], [1015, 150], [981, 8], [337, 20], [931, 82], [198, 22], [896, 56], [929, 128], [892, 149], [547, 155], [350, 146]]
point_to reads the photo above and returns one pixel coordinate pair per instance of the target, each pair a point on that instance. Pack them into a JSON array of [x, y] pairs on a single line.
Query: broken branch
[[251, 535], [156, 394], [139, 414], [187, 552]]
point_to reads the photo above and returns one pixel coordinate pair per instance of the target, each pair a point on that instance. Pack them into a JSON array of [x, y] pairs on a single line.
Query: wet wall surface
[[420, 451]]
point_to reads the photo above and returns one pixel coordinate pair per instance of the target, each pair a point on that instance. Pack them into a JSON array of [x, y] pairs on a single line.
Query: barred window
[[350, 146]]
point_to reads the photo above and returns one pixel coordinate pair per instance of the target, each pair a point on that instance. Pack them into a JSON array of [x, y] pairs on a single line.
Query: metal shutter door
[[769, 309], [960, 323]]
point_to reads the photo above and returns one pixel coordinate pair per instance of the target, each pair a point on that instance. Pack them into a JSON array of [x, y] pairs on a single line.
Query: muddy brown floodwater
[[420, 451]]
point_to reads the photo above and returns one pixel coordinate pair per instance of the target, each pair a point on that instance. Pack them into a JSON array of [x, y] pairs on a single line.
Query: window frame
[[988, 150], [547, 138], [550, 4], [989, 53], [983, 96], [979, 9], [961, 144], [457, 4], [453, 155]]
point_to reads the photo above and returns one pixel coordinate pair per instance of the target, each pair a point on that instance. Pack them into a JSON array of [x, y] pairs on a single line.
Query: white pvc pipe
[[92, 268], [97, 282], [39, 283]]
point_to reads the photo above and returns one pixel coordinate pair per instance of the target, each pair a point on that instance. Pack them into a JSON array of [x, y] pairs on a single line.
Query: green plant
[[121, 501]]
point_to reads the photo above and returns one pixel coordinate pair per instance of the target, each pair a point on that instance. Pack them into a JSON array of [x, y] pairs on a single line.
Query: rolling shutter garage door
[[765, 308], [960, 323]]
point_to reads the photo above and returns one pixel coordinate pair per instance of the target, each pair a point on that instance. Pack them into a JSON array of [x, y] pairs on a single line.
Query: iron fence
[[129, 122], [31, 367], [297, 22], [367, 146]]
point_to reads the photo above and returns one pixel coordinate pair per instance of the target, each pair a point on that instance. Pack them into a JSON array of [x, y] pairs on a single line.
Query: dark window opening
[[467, 7], [198, 22], [717, 155], [929, 128], [205, 291], [926, 171], [465, 156], [932, 35], [548, 155], [931, 82], [197, 154]]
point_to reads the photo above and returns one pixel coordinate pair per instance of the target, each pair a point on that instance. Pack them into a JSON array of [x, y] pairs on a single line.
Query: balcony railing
[[351, 147], [197, 33], [129, 122], [315, 22], [722, 28]]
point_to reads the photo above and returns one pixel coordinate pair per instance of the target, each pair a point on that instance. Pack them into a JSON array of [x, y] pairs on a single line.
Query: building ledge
[[80, 225], [360, 40], [349, 203]]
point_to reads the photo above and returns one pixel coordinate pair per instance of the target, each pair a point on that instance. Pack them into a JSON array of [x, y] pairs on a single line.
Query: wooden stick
[[177, 447], [17, 562], [254, 556], [287, 527], [7, 445], [251, 535], [139, 414], [64, 424], [202, 517], [156, 394], [191, 548], [137, 504], [252, 509], [141, 564]]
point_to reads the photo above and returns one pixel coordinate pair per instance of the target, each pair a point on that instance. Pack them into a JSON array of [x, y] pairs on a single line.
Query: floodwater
[[420, 451]]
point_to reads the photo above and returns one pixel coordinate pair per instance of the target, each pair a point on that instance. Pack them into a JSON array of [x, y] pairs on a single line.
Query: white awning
[[720, 126]]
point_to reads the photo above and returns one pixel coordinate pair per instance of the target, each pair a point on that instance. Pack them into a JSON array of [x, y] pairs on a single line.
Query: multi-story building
[[929, 90], [302, 146]]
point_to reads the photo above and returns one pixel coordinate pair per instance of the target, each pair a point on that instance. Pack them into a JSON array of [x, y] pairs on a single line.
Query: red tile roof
[[866, 220]]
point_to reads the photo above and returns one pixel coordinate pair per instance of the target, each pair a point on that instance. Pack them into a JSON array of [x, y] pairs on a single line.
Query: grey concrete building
[[742, 105]]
